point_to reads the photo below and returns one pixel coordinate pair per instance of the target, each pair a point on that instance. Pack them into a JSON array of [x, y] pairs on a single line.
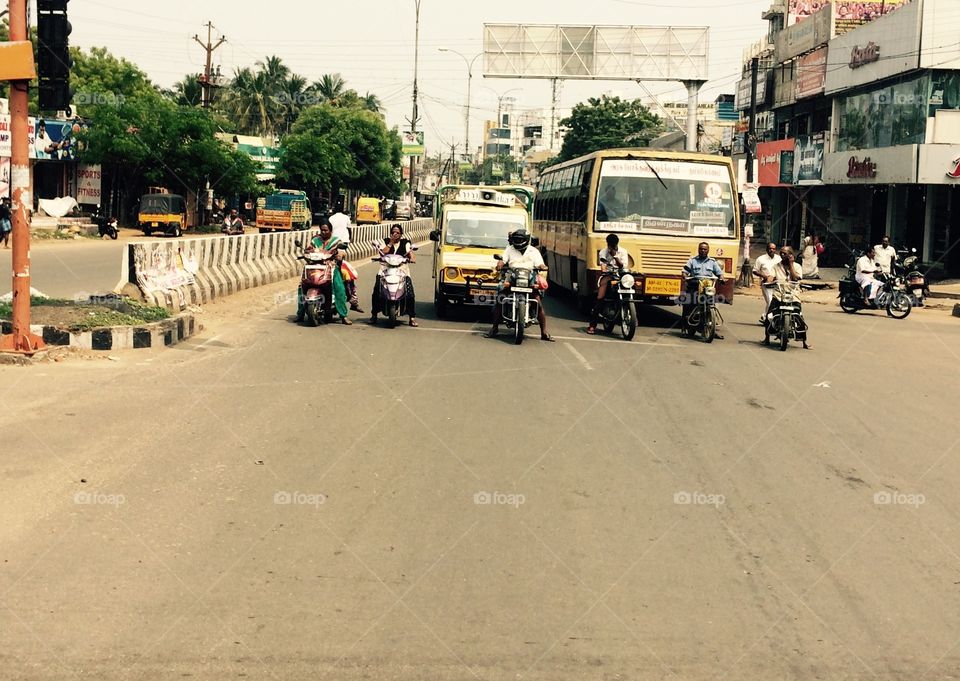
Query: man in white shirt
[[787, 272], [886, 255], [620, 259], [521, 254], [340, 222], [763, 270], [867, 267]]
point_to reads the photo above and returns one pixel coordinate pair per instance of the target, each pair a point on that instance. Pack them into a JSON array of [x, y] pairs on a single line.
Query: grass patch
[[78, 316]]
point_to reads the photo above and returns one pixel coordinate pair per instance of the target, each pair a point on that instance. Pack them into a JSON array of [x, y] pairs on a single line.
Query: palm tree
[[188, 92], [330, 88], [372, 103], [295, 99], [252, 103]]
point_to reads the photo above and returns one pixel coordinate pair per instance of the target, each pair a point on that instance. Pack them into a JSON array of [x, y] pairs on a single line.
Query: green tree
[[330, 88], [188, 91], [607, 123]]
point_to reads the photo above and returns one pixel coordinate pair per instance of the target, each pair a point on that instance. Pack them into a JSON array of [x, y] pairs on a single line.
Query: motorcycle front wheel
[[786, 330], [710, 325], [899, 306], [114, 234], [392, 311], [313, 314], [520, 311], [628, 321]]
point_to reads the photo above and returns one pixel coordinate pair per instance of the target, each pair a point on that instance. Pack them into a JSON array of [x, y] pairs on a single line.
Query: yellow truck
[[472, 225], [284, 211]]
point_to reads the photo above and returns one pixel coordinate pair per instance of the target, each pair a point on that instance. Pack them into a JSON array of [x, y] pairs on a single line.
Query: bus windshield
[[671, 198], [482, 230]]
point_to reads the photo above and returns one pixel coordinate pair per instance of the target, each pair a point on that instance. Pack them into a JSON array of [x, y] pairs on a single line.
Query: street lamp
[[469, 63]]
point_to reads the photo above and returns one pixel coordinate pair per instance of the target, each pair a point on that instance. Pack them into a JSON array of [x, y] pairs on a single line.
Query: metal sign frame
[[557, 52]]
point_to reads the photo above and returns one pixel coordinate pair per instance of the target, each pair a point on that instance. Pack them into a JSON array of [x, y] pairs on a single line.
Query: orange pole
[[21, 341]]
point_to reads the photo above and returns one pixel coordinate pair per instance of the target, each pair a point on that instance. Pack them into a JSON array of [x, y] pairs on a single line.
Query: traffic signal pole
[[21, 341]]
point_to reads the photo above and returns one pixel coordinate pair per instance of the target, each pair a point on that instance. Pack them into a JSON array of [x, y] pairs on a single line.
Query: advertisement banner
[[808, 160], [846, 15], [412, 143], [56, 140], [4, 178], [89, 178], [5, 144], [804, 36], [770, 156], [811, 73]]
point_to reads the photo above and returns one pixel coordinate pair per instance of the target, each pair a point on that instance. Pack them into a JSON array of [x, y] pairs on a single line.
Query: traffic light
[[53, 54]]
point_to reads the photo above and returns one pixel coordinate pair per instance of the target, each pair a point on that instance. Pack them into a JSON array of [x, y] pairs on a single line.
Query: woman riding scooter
[[327, 242], [397, 245]]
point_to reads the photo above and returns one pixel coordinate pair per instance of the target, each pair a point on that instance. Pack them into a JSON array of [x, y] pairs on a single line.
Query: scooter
[[315, 294], [393, 284], [786, 323], [618, 306], [105, 226], [704, 317], [520, 307]]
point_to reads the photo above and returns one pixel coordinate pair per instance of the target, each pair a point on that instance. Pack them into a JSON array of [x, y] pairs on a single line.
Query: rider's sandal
[[491, 334], [547, 337], [592, 330], [413, 322], [346, 322]]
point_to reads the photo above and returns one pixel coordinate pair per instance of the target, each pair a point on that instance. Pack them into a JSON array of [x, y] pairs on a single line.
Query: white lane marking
[[566, 338], [580, 358], [206, 342]]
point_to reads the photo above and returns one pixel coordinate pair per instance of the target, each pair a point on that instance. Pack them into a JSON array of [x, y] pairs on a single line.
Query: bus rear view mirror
[[435, 235]]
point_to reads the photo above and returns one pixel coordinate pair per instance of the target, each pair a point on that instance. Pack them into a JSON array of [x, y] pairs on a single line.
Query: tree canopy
[[607, 123]]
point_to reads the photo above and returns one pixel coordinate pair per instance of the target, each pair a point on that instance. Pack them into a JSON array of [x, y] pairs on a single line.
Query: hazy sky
[[370, 42]]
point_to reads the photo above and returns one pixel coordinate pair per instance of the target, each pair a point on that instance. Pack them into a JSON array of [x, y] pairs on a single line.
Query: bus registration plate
[[661, 287]]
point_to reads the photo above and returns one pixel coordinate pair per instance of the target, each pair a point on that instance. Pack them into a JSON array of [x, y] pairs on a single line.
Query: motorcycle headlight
[[710, 291], [627, 281]]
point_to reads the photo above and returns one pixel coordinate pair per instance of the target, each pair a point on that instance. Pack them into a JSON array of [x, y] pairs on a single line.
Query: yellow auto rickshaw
[[165, 213], [368, 211]]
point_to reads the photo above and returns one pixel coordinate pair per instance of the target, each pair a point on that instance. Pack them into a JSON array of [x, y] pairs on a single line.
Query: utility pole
[[21, 341], [207, 81], [554, 103], [415, 118], [752, 130]]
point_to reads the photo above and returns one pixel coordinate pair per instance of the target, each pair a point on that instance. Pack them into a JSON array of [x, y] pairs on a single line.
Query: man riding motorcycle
[[621, 260], [521, 252], [699, 267]]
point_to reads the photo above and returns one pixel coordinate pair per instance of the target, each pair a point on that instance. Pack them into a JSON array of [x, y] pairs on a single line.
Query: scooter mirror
[[497, 256], [298, 244], [343, 247]]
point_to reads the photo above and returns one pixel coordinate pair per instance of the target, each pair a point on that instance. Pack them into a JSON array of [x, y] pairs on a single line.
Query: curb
[[154, 335]]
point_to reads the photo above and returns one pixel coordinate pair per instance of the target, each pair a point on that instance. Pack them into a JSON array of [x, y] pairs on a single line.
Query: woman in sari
[[397, 244], [325, 241]]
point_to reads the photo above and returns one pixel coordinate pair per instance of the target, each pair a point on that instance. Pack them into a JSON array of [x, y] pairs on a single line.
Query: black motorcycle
[[618, 307], [703, 317], [784, 321], [106, 226], [909, 266], [892, 297]]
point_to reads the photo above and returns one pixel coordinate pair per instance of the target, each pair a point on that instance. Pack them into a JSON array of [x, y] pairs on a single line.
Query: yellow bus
[[662, 204]]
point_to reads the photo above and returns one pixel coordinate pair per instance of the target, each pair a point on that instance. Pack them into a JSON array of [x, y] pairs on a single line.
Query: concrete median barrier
[[177, 273]]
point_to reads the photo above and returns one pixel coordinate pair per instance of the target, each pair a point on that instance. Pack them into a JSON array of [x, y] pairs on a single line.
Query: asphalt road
[[279, 502]]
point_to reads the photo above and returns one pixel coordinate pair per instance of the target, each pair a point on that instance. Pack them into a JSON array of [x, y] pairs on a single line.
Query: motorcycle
[[618, 306], [908, 266], [315, 294], [105, 226], [892, 297], [785, 322], [519, 305], [704, 317], [393, 284]]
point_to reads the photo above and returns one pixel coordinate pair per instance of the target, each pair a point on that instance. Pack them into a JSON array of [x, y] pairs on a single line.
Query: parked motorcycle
[[519, 305], [106, 226], [393, 284], [703, 317], [315, 293], [618, 306], [893, 297], [909, 267], [785, 322]]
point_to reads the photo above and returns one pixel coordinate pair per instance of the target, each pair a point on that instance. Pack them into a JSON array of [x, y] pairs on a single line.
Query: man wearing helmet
[[521, 253]]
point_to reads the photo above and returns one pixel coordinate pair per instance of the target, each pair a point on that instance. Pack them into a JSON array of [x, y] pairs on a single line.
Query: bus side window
[[583, 197]]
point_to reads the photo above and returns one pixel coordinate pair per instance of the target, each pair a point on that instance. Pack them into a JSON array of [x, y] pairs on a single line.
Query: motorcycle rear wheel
[[628, 321], [848, 305], [114, 234], [899, 306]]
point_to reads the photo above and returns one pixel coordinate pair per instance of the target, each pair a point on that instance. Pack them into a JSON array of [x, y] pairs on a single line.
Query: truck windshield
[[670, 198], [482, 230]]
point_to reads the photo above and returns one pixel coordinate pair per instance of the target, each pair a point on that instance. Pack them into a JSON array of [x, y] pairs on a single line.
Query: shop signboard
[[89, 179], [770, 156], [811, 73], [808, 160], [890, 165], [412, 143], [802, 36], [939, 164]]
